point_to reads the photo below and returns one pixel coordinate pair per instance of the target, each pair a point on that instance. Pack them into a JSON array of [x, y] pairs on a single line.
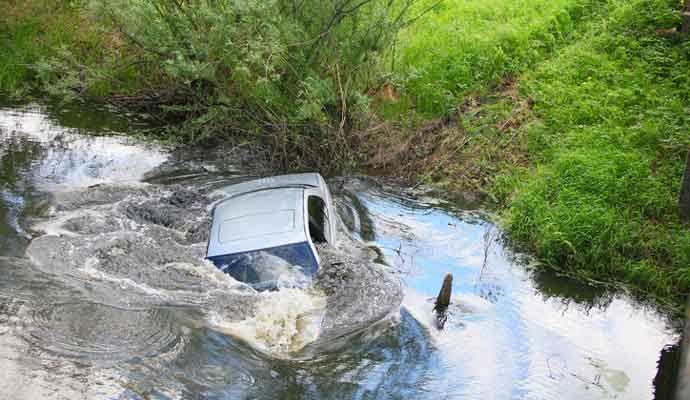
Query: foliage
[[571, 114], [24, 38], [293, 74], [56, 48], [466, 46], [283, 69], [609, 151]]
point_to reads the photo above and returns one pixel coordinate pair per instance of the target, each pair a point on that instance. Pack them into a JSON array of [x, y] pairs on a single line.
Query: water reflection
[[528, 333], [17, 159], [512, 332], [569, 291]]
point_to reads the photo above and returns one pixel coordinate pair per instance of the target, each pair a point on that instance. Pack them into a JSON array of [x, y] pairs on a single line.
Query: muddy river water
[[105, 294]]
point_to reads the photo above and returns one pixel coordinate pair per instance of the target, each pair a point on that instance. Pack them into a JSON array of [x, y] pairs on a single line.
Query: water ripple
[[98, 332]]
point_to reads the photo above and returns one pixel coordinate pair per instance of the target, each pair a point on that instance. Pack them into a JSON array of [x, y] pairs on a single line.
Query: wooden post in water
[[443, 301], [684, 202]]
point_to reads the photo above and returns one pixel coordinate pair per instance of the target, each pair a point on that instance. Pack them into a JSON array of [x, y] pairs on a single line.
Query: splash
[[285, 321], [145, 246], [128, 244]]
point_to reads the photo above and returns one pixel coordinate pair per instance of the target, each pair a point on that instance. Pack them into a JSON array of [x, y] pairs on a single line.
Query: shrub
[[298, 68]]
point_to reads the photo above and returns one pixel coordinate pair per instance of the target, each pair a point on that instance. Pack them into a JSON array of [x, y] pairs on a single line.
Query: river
[[97, 302]]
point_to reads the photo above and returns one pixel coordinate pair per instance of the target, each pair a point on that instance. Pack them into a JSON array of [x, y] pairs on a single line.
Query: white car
[[264, 231]]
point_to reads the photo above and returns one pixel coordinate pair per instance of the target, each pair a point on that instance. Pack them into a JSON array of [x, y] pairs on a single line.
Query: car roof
[[257, 220], [261, 214], [301, 180]]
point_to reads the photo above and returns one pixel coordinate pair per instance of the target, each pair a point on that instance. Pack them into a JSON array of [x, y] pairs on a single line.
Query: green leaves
[[468, 46], [276, 64]]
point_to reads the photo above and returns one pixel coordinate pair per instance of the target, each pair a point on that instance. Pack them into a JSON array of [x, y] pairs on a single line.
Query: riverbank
[[570, 115], [583, 152]]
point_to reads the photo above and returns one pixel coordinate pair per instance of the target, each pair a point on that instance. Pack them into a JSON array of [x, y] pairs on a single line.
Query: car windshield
[[284, 266]]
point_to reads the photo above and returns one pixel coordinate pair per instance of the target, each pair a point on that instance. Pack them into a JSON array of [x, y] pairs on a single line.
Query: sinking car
[[265, 232]]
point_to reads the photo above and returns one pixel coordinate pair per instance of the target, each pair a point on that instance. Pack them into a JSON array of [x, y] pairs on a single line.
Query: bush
[[298, 68]]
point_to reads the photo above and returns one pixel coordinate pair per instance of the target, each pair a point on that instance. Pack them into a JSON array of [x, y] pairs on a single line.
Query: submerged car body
[[265, 231]]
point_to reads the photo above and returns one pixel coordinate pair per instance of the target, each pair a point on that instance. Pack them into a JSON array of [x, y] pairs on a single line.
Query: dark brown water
[[97, 304]]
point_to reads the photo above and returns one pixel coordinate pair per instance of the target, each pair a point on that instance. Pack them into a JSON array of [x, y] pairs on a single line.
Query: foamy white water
[[285, 321]]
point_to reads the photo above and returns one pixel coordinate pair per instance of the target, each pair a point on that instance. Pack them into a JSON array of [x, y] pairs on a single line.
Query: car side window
[[319, 225]]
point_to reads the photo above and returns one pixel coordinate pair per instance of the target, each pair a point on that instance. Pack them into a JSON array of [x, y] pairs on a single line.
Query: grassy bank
[[608, 145], [583, 150], [465, 46], [457, 106], [572, 115]]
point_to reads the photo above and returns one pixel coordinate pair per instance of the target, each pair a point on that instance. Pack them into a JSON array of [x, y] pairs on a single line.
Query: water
[[105, 294]]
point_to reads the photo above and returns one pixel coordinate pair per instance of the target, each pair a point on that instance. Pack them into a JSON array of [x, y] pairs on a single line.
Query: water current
[[105, 293]]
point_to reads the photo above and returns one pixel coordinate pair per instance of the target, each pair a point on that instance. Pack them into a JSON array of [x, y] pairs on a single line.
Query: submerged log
[[443, 301]]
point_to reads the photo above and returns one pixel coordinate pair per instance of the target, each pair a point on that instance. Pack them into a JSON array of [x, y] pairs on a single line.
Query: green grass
[[29, 35], [574, 117], [608, 150], [468, 45], [47, 45]]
